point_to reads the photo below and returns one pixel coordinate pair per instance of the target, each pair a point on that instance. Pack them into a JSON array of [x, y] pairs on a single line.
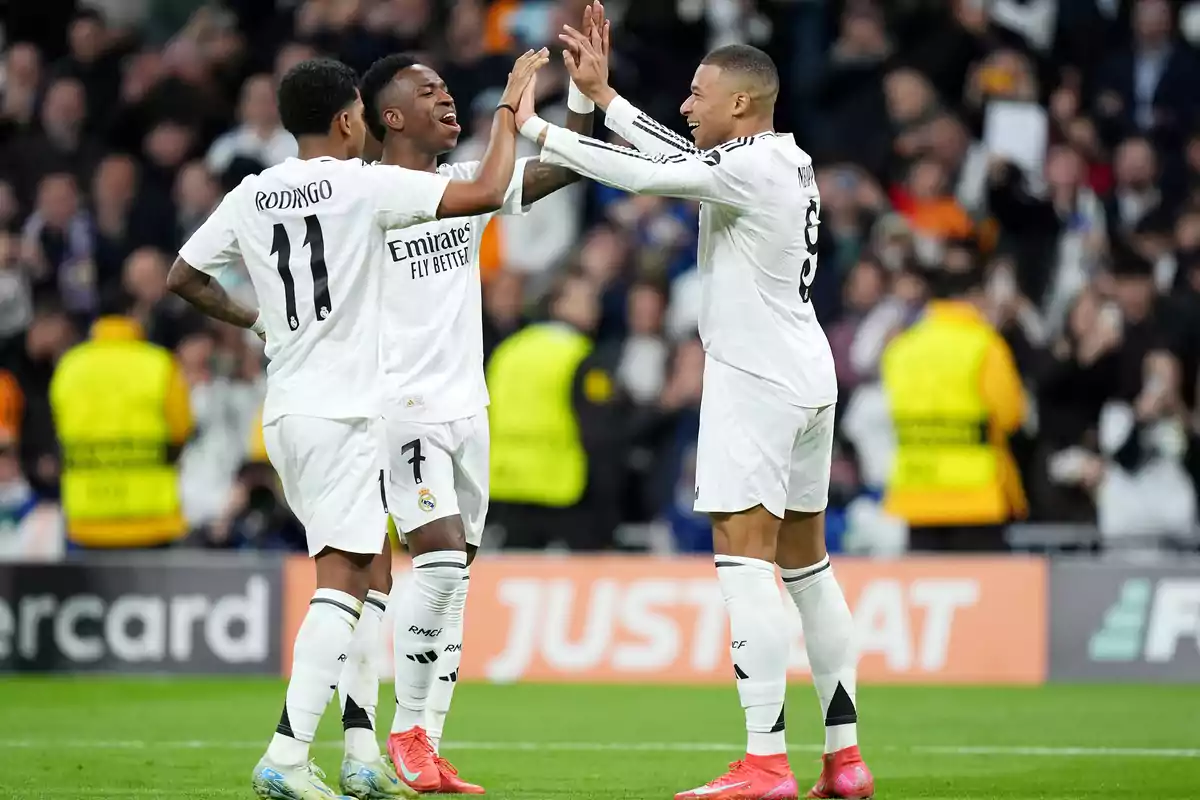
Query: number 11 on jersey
[[314, 240]]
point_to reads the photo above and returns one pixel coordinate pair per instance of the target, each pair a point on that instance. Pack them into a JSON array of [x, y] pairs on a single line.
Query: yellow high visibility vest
[[118, 487], [947, 465], [537, 453]]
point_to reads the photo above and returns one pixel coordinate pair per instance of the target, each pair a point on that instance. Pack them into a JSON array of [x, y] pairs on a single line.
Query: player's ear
[[741, 104], [393, 119], [343, 125]]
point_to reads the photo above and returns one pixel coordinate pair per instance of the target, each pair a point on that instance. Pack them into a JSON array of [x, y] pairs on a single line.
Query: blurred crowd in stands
[[1057, 141]]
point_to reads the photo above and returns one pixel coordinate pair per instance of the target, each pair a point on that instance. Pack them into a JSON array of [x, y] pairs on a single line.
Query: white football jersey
[[758, 240], [432, 335], [311, 233]]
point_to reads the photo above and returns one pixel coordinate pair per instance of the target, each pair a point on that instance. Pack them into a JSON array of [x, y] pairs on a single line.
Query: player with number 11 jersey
[[311, 233]]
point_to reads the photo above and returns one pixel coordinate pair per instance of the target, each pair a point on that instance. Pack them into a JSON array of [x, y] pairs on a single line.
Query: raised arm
[[589, 67], [700, 176], [540, 178], [487, 190], [636, 127]]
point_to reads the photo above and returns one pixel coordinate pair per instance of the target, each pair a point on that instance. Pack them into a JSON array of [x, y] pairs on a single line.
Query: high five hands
[[521, 79], [586, 54], [586, 59]]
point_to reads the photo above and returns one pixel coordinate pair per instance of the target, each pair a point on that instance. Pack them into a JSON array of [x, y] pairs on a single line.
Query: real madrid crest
[[426, 501]]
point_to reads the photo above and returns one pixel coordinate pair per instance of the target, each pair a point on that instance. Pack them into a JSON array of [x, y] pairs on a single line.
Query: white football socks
[[759, 647], [358, 689], [832, 654], [321, 648], [421, 617], [442, 690]]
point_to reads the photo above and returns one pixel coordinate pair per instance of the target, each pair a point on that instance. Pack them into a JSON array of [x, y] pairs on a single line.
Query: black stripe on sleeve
[[625, 151], [663, 133], [677, 158]]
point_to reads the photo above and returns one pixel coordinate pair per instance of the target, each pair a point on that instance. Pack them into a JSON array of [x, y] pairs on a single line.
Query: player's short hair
[[756, 66], [312, 93], [374, 81]]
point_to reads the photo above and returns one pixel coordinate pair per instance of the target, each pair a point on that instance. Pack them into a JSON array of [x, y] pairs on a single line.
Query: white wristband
[[533, 128], [259, 326], [579, 102]]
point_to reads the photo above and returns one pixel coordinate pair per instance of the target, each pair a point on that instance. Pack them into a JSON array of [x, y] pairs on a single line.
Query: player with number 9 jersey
[[768, 368], [764, 450]]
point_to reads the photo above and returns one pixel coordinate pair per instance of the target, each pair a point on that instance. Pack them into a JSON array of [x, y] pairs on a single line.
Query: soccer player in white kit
[[311, 232], [435, 402], [766, 415]]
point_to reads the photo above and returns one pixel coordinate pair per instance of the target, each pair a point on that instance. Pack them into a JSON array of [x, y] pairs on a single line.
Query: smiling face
[[419, 107], [710, 107]]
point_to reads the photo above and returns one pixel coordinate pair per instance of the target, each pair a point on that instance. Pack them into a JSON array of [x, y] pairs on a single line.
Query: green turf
[[191, 739]]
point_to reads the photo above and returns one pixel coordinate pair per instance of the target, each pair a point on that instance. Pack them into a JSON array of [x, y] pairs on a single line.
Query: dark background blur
[[1058, 140]]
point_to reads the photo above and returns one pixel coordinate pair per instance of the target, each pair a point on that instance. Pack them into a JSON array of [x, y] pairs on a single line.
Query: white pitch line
[[99, 791], [623, 747]]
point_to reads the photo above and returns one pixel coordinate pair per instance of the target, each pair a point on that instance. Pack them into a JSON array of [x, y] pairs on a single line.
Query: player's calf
[[759, 646], [441, 692], [365, 773], [438, 567], [832, 655], [320, 651]]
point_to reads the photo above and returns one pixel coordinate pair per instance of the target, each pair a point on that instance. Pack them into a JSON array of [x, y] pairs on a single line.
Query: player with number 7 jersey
[[311, 234]]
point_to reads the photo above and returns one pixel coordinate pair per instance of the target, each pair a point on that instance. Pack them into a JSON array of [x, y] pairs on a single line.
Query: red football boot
[[413, 756], [844, 775], [451, 783], [752, 778]]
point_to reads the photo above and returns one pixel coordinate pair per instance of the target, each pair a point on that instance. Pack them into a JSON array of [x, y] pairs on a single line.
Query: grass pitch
[[193, 739]]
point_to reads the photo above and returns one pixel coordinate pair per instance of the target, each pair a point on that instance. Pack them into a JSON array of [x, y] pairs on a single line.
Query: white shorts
[[754, 448], [436, 470], [332, 476]]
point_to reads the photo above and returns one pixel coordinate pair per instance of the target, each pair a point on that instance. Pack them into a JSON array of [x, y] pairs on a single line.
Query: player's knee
[[801, 539], [437, 577], [347, 572], [751, 533], [381, 572], [441, 534]]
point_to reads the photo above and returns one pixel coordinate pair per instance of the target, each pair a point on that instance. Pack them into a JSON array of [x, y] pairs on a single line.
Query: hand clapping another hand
[[527, 107], [522, 76], [586, 55]]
